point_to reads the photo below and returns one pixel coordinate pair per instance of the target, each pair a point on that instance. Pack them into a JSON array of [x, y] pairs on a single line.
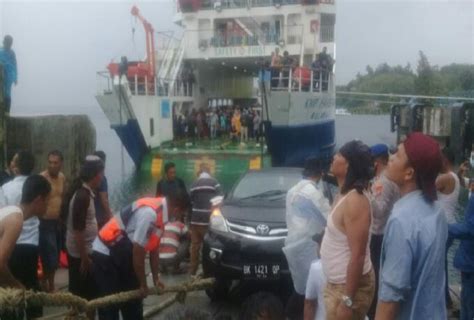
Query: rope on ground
[[162, 306], [16, 299]]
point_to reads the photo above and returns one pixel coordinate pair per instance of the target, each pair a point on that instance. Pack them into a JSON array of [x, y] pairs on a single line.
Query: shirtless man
[[33, 203], [345, 253]]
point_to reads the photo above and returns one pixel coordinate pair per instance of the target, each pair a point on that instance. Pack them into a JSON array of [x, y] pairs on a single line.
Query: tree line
[[450, 80]]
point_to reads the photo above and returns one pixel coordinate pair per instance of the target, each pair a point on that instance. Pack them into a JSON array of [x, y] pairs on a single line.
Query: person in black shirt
[[171, 185], [7, 175], [287, 62]]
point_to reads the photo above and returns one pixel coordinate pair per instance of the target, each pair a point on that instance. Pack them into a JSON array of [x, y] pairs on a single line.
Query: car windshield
[[265, 185]]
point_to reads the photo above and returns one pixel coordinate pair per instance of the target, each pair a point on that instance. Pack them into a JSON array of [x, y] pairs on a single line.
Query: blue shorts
[[49, 244]]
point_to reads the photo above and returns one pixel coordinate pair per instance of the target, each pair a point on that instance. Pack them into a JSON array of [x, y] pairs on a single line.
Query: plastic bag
[[300, 254]]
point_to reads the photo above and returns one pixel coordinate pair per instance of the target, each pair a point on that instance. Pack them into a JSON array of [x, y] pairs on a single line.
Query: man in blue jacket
[[464, 259], [8, 60]]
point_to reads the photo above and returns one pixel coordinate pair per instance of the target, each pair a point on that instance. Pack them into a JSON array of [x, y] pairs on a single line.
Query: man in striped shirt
[[174, 243], [202, 191]]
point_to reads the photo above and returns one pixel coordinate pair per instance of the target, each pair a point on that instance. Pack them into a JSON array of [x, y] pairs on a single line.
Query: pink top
[[335, 252]]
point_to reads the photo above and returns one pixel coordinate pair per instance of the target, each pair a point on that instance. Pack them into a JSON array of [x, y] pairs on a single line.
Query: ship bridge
[[254, 28]]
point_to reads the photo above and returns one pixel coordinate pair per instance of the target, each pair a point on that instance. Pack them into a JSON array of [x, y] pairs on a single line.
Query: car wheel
[[219, 290]]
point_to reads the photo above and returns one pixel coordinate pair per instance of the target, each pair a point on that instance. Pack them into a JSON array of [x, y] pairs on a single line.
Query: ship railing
[[235, 4], [161, 87], [317, 80], [145, 86], [212, 38], [104, 83]]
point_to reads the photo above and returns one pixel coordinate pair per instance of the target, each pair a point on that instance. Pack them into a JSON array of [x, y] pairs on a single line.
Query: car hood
[[255, 212]]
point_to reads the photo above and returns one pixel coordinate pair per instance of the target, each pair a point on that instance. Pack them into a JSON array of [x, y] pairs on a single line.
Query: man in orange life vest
[[119, 253]]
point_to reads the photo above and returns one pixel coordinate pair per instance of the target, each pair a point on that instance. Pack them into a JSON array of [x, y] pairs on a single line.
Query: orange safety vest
[[114, 230]]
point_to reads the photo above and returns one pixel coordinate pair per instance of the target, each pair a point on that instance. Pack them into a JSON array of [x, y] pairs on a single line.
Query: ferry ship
[[224, 57]]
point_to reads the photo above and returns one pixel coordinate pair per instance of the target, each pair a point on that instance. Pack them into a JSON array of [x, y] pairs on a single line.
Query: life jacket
[[114, 230]]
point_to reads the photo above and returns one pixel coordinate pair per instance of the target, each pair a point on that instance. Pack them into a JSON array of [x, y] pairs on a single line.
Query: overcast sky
[[61, 44]]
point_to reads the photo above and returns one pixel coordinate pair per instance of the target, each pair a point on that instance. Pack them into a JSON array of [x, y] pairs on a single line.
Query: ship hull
[[291, 145], [300, 125]]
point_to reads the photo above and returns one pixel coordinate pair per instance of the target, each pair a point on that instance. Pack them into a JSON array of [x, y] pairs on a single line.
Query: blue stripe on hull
[[290, 145], [132, 139]]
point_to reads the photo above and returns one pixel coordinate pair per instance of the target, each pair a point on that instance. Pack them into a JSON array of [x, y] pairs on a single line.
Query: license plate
[[261, 271]]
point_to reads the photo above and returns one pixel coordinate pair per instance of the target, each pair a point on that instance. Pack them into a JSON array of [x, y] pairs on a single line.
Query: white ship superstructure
[[217, 61]]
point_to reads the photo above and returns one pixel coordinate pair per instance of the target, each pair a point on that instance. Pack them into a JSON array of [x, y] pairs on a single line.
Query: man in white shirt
[[24, 259], [306, 213], [32, 204]]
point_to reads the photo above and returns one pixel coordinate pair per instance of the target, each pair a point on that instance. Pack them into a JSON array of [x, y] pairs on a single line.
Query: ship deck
[[219, 146], [227, 159]]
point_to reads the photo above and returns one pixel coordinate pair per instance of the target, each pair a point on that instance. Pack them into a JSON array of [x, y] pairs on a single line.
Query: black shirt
[[166, 188]]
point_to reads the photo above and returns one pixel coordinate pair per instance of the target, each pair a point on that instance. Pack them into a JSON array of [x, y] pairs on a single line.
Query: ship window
[[152, 127]]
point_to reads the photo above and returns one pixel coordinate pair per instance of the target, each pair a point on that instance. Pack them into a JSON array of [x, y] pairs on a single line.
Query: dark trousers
[[449, 301], [375, 251], [23, 265], [82, 285], [8, 104], [467, 295], [275, 74], [113, 274], [49, 244], [295, 306]]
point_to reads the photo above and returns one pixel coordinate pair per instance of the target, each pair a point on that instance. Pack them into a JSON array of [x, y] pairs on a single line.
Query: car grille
[[260, 231]]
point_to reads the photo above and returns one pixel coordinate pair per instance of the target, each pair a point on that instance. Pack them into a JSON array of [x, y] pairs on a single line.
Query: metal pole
[[136, 85], [311, 81], [300, 81], [320, 80], [122, 155], [289, 80]]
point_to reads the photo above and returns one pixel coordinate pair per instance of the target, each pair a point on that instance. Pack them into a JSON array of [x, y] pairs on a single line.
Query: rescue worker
[[119, 253]]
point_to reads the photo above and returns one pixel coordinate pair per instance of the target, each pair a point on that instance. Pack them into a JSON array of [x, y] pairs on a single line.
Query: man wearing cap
[[412, 261], [384, 194], [306, 211]]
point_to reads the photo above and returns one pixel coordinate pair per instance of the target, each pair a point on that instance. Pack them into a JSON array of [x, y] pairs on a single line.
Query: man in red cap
[[412, 261]]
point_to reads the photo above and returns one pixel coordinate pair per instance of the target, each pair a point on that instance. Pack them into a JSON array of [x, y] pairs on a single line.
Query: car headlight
[[217, 221]]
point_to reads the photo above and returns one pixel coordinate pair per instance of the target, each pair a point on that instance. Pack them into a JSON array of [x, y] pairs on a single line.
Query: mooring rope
[[16, 299]]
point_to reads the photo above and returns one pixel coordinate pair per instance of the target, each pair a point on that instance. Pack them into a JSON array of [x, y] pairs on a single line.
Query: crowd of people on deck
[[236, 123], [281, 66]]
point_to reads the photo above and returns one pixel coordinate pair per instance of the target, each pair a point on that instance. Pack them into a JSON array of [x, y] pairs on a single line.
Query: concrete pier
[[73, 135]]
